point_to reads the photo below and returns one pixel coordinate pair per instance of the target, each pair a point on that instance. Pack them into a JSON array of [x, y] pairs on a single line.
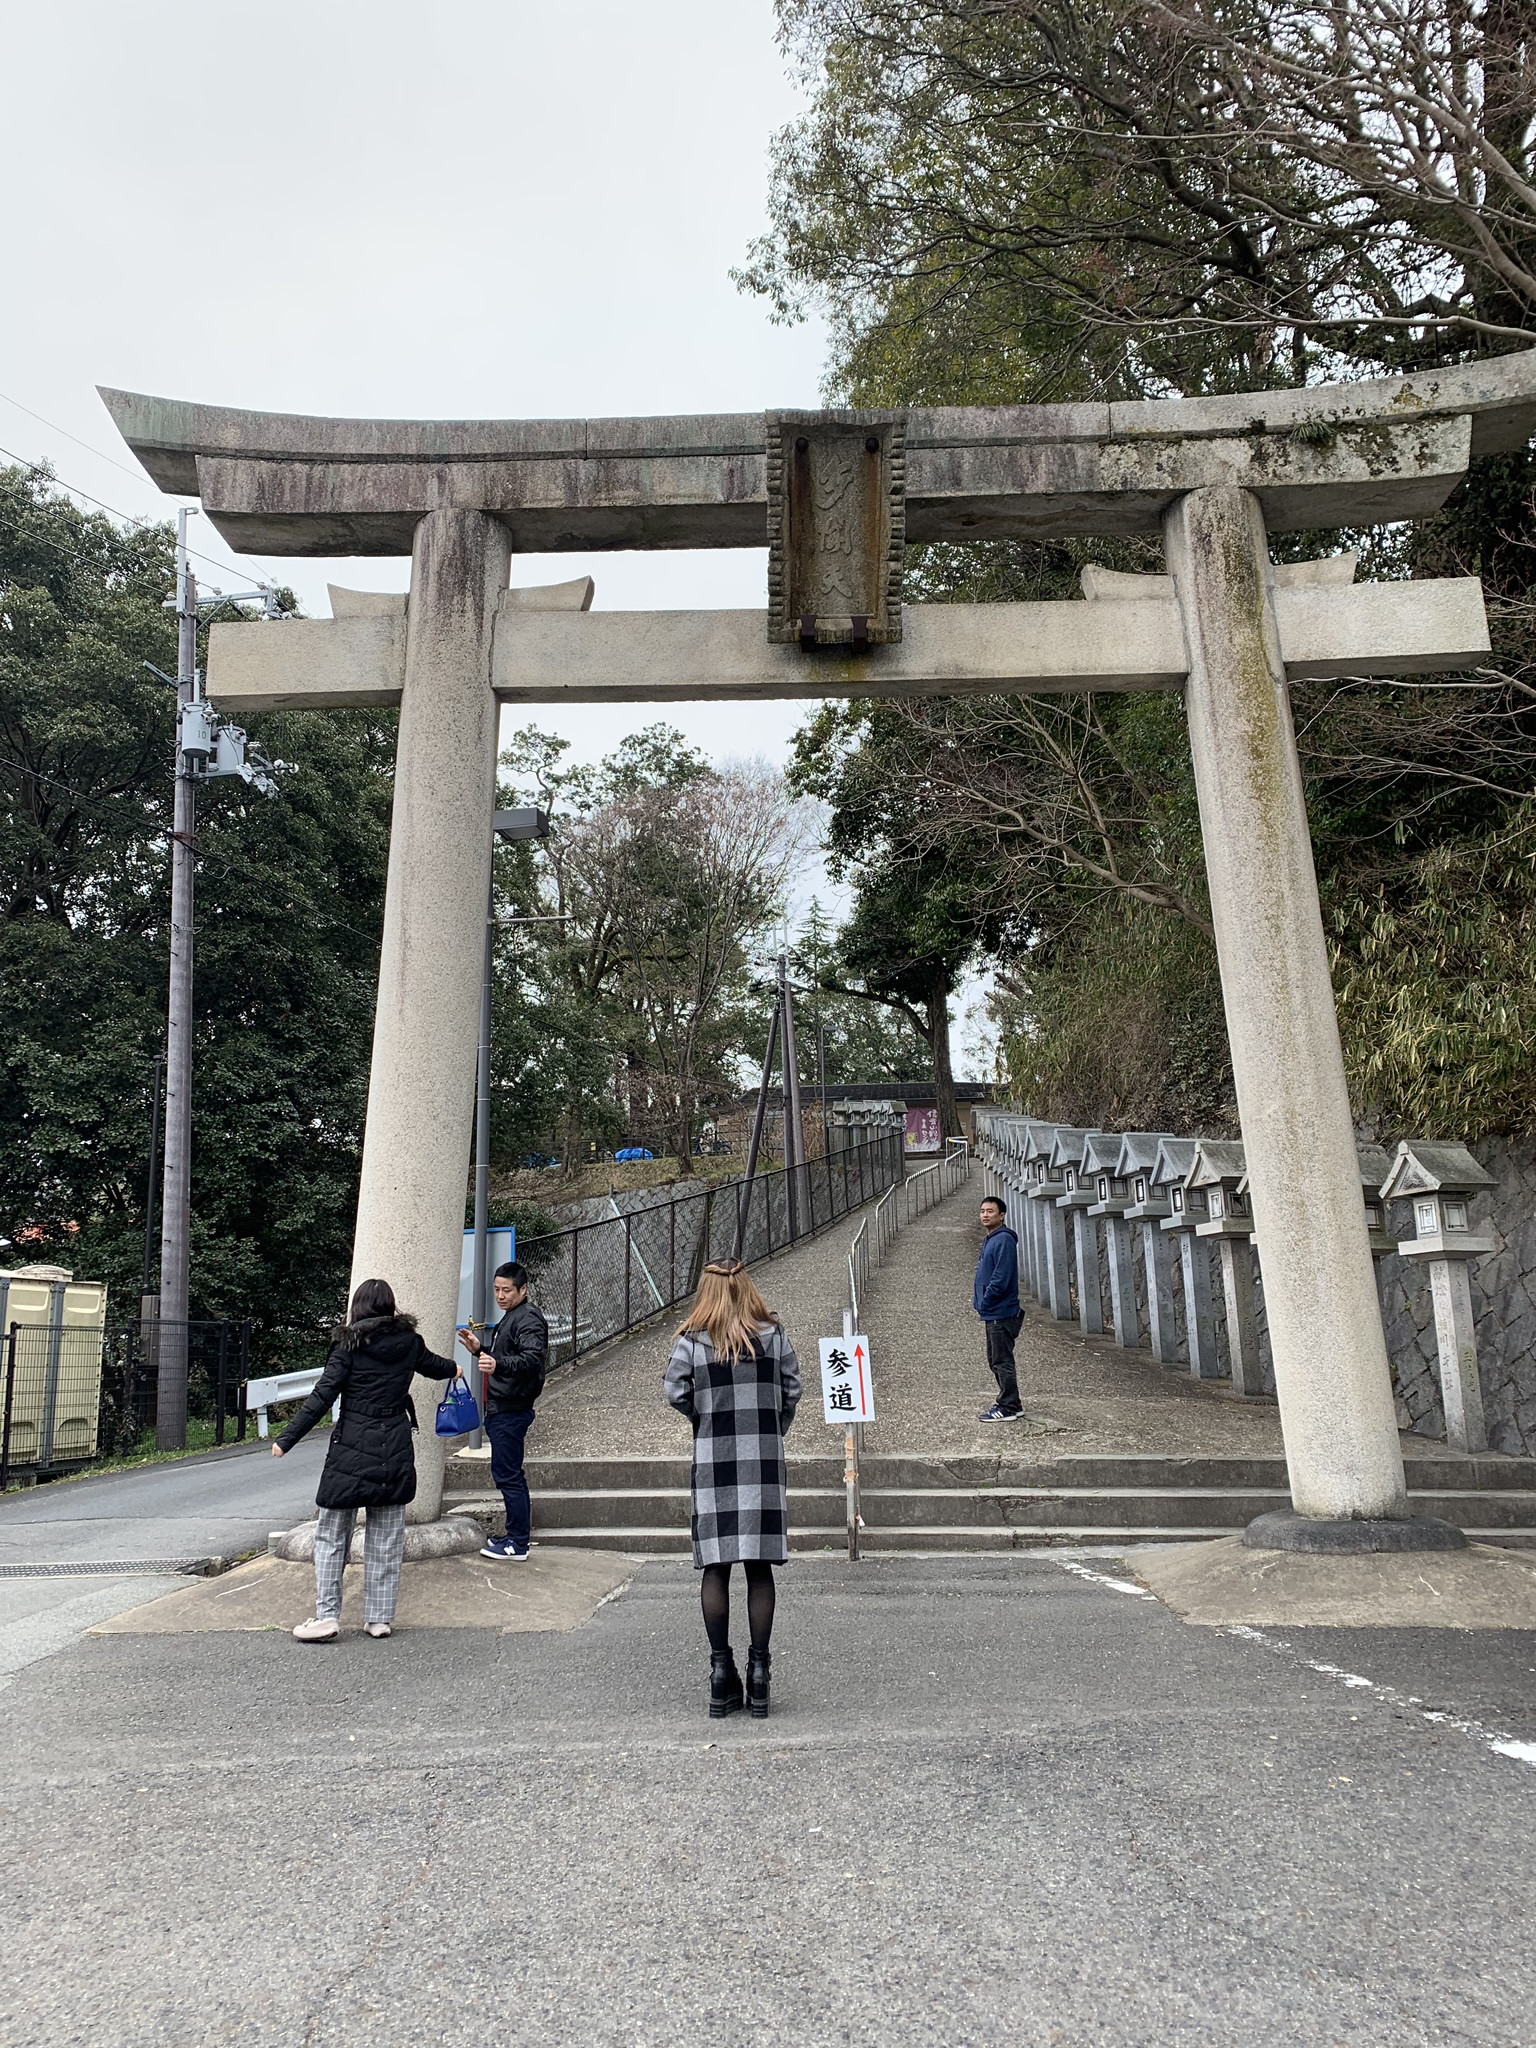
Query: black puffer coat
[[368, 1463]]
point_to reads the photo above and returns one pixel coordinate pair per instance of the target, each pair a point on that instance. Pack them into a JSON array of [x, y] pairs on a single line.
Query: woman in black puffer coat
[[369, 1462]]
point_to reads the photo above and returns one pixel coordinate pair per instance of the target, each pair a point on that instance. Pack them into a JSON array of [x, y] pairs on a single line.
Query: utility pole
[[821, 1080], [744, 1197], [176, 1194], [206, 746], [156, 1088]]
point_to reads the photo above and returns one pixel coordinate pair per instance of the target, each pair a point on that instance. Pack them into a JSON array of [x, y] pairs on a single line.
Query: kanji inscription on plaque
[[836, 527]]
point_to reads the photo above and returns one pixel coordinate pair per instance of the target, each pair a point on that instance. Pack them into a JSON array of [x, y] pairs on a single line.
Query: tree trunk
[[938, 1043]]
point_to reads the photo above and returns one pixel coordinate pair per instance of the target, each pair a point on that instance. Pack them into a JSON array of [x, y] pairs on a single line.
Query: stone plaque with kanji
[[836, 528]]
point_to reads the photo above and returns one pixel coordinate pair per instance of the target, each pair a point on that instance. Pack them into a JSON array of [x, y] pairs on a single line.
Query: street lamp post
[[508, 826]]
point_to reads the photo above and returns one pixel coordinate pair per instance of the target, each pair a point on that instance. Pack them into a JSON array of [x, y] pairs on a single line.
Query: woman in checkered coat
[[734, 1374]]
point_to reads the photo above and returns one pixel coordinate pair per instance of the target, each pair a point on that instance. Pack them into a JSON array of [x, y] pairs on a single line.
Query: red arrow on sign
[[858, 1352]]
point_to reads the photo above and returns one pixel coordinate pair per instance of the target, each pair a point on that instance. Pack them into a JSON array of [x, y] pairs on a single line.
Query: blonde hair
[[727, 1309]]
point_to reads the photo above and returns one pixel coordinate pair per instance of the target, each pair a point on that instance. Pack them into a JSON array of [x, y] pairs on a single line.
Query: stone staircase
[[966, 1503]]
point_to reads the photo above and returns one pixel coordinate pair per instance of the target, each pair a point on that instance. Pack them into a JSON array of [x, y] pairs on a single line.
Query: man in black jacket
[[519, 1350]]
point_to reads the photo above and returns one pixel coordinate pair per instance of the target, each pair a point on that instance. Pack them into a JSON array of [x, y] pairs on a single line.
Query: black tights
[[715, 1599]]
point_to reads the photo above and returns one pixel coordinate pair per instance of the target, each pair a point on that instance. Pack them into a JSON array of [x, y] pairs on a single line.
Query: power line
[[89, 447], [131, 518]]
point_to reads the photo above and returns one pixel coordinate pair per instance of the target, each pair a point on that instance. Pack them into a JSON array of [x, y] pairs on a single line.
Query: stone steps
[[913, 1503], [469, 1472]]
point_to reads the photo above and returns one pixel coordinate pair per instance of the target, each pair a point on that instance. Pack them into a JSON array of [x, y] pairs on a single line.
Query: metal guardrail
[[858, 1269], [595, 1281]]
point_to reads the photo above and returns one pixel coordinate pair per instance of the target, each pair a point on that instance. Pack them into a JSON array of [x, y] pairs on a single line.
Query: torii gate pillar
[[421, 1085], [1331, 1374]]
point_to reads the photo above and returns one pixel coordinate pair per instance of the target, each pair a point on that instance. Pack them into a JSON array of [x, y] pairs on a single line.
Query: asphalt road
[[998, 1802], [217, 1503]]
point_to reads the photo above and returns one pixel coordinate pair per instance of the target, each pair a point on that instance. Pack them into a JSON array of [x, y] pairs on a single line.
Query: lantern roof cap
[[1217, 1160], [1175, 1156], [1424, 1167], [1138, 1151]]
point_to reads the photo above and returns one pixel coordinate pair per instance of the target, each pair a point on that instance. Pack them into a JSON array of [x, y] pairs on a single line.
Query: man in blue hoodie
[[996, 1301]]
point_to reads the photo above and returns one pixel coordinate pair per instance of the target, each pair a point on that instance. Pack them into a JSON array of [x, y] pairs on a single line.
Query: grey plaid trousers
[[383, 1544]]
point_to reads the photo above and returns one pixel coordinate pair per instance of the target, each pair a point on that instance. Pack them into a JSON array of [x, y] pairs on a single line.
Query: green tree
[[289, 906], [1004, 201], [861, 1042], [662, 875]]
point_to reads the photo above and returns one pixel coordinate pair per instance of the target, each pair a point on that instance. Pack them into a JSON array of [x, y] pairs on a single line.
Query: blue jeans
[[506, 1433]]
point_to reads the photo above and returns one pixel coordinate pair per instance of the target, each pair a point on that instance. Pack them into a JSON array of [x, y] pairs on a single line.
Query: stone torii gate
[[836, 496]]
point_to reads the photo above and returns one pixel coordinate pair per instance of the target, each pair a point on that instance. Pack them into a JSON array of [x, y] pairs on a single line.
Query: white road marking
[[1492, 1739], [1082, 1571]]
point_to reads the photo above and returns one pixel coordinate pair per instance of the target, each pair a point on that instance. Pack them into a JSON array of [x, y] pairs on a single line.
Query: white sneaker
[[316, 1631], [378, 1628]]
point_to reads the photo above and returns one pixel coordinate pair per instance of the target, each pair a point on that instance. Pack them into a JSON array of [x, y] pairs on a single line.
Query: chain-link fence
[[597, 1280], [73, 1397]]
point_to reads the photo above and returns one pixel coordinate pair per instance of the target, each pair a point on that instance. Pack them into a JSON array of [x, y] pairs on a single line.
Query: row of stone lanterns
[[1188, 1197]]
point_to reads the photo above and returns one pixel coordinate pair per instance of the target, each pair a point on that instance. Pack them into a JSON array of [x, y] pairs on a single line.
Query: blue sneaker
[[997, 1414], [494, 1546]]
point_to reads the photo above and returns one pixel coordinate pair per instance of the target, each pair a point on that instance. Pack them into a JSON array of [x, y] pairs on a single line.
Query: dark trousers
[[1001, 1337], [506, 1433]]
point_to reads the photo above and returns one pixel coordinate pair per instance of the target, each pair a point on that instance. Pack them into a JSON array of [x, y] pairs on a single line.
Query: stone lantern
[[1440, 1181], [1035, 1140], [1218, 1172], [1112, 1197], [1036, 1155], [1149, 1206], [1079, 1191], [1186, 1209], [1048, 1226], [1375, 1165], [1006, 1166]]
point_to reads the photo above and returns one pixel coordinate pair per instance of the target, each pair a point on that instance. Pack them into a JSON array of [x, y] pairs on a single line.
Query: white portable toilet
[[55, 1364]]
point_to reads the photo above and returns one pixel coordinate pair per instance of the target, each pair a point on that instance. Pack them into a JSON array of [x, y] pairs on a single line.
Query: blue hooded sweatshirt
[[997, 1276]]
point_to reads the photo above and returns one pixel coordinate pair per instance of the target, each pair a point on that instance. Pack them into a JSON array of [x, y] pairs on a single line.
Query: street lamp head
[[521, 824]]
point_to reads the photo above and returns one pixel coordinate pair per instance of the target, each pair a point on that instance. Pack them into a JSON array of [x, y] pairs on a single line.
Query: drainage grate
[[131, 1568]]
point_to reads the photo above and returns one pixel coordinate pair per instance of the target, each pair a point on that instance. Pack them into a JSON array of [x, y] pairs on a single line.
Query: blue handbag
[[457, 1413]]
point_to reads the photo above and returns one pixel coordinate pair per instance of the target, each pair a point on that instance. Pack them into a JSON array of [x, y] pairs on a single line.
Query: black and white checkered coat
[[739, 1410]]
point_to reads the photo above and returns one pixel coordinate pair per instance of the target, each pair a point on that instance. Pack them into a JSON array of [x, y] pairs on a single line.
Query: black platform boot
[[725, 1694], [758, 1663]]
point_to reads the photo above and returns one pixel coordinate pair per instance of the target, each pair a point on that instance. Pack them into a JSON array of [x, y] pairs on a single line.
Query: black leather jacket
[[519, 1347]]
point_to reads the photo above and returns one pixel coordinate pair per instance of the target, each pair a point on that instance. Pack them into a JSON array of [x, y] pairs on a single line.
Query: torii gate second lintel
[[1212, 475]]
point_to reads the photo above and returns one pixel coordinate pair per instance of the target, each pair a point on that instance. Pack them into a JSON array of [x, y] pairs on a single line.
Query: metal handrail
[[858, 1269], [928, 1187], [885, 1221], [923, 1189]]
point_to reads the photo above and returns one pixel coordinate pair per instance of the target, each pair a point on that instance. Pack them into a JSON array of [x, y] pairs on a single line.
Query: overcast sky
[[477, 209]]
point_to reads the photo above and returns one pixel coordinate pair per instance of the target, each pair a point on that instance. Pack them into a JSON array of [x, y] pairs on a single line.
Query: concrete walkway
[[612, 1406], [932, 1378], [1081, 1396]]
